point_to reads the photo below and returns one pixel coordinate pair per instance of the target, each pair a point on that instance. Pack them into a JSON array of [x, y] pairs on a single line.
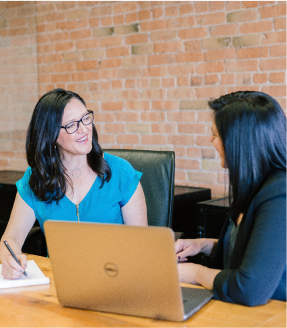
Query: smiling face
[[80, 142], [217, 144]]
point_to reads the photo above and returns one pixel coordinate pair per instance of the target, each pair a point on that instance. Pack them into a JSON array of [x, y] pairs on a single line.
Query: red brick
[[64, 46], [171, 11], [273, 11], [154, 140], [117, 52], [119, 20], [130, 18], [180, 151], [153, 117], [208, 19], [157, 13], [274, 37], [137, 38], [185, 9], [250, 4], [168, 82], [165, 105], [191, 128], [211, 79], [210, 92], [183, 81], [87, 65], [163, 35], [227, 79], [224, 30], [256, 27], [277, 77], [278, 50], [195, 56], [260, 78], [275, 91], [127, 94], [193, 33], [242, 65], [83, 34], [185, 21], [201, 6], [181, 140], [179, 176], [114, 128], [233, 5], [65, 67], [192, 45], [211, 67], [183, 116], [216, 5], [87, 44], [280, 23], [243, 79], [128, 72], [127, 117], [168, 47], [153, 25], [138, 105], [181, 69], [125, 7], [272, 64], [128, 139], [188, 164], [248, 53], [203, 141], [106, 21], [144, 15], [163, 128], [130, 83], [161, 59], [220, 54], [112, 106]]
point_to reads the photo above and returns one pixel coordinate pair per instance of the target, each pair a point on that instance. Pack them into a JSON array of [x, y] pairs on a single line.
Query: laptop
[[120, 269]]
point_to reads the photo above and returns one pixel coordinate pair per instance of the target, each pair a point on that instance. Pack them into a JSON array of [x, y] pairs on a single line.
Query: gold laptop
[[119, 269]]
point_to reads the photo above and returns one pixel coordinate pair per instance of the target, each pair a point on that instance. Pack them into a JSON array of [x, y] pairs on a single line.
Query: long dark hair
[[48, 178], [252, 127]]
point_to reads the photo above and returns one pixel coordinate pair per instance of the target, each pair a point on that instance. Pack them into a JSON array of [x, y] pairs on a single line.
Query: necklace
[[76, 173]]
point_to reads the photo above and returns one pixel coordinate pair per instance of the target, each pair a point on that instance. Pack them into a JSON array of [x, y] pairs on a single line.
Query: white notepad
[[34, 277]]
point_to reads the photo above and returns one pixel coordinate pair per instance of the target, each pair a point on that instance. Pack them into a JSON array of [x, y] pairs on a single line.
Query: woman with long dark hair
[[249, 258], [69, 177]]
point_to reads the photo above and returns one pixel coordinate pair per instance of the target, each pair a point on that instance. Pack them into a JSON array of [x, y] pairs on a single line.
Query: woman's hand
[[187, 247], [196, 274], [11, 269]]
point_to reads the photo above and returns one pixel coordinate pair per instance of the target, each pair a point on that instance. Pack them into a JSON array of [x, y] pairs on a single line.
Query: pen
[[13, 254]]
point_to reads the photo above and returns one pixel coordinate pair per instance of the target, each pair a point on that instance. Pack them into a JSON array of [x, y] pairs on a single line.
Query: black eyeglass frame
[[78, 122]]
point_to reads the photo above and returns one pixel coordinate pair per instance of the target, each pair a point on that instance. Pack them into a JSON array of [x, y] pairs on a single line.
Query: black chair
[[158, 186], [157, 181]]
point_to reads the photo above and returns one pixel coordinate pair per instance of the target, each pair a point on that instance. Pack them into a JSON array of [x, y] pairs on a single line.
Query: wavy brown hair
[[48, 179]]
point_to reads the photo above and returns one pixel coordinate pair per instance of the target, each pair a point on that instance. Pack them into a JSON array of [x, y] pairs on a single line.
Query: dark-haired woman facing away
[[249, 258], [69, 177]]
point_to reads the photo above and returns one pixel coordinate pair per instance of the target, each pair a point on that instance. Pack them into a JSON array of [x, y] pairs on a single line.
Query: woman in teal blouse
[[69, 177]]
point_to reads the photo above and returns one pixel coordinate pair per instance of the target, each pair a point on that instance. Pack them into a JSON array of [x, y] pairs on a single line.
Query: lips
[[83, 139]]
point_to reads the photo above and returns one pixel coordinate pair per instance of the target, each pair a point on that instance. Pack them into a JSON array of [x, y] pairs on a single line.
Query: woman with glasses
[[69, 177], [249, 259]]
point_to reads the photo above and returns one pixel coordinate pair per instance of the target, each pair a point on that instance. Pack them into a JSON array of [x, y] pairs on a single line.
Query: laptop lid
[[115, 268]]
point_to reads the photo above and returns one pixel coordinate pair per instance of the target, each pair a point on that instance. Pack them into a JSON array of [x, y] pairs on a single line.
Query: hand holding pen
[[14, 256]]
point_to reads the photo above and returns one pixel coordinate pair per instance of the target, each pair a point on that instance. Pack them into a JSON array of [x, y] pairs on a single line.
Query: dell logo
[[111, 269]]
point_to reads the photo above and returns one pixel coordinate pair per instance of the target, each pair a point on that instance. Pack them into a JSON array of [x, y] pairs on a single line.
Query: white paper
[[34, 277]]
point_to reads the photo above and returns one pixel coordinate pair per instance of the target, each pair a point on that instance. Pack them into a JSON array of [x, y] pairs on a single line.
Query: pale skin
[[73, 149], [192, 273]]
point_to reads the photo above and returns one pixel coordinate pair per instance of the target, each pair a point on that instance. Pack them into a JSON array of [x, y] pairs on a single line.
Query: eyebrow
[[74, 120]]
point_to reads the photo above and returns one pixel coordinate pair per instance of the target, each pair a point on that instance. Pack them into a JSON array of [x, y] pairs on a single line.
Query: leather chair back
[[157, 181]]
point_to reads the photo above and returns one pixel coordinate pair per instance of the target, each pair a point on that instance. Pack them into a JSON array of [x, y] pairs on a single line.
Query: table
[[38, 306]]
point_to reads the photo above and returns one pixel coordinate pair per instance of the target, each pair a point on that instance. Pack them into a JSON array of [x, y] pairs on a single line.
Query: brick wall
[[18, 79], [146, 69]]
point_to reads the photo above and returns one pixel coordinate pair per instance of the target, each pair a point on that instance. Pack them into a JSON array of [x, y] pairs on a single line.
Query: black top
[[258, 262]]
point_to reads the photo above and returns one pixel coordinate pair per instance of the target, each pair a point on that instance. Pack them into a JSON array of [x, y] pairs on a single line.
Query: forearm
[[205, 276]]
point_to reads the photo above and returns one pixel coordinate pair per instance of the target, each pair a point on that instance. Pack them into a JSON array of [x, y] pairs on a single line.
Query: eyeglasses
[[73, 127]]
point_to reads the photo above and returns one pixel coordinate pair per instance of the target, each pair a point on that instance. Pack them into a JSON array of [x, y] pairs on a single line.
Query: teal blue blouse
[[101, 205]]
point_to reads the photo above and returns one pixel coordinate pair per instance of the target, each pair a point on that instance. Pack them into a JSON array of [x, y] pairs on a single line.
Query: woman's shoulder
[[273, 186], [118, 163]]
